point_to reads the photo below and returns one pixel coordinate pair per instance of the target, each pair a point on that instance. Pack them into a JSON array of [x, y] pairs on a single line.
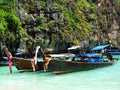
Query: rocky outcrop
[[107, 23], [52, 21]]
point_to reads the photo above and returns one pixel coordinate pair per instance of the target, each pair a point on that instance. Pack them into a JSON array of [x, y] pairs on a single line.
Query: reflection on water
[[107, 78]]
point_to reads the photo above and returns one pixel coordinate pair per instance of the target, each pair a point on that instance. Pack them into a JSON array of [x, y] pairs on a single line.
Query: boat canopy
[[89, 55], [73, 47], [61, 55], [100, 47]]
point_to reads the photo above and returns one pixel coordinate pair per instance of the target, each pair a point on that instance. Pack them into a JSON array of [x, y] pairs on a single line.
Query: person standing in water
[[33, 59], [9, 57]]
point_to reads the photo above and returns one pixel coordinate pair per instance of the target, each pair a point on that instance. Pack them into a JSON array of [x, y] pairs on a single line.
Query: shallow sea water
[[107, 78]]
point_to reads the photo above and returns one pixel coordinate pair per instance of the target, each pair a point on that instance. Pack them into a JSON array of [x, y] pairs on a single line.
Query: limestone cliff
[[63, 23]]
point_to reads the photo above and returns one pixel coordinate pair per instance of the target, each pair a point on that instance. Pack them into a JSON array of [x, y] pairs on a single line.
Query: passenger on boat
[[109, 56], [47, 61], [73, 59]]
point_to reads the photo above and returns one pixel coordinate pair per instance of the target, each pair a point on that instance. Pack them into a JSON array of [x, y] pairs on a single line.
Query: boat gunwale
[[79, 62]]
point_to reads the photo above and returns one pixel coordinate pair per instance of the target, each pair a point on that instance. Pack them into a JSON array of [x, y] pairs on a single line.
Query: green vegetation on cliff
[[10, 25], [74, 27]]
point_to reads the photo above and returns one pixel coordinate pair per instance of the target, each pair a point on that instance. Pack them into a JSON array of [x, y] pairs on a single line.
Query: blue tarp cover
[[89, 55], [100, 47]]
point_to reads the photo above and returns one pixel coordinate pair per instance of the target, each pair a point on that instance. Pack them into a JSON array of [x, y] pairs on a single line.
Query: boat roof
[[60, 55], [73, 47], [100, 47], [88, 55]]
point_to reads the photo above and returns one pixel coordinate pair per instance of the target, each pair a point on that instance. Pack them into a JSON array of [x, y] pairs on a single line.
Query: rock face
[[111, 25], [47, 21]]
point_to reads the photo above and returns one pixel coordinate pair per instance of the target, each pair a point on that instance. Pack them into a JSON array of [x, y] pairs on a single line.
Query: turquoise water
[[107, 78]]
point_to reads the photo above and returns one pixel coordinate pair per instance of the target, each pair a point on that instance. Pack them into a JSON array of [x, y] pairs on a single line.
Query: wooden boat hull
[[25, 64], [59, 66]]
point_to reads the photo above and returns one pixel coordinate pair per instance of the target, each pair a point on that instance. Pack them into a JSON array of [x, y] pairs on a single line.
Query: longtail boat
[[79, 62], [27, 64], [107, 48]]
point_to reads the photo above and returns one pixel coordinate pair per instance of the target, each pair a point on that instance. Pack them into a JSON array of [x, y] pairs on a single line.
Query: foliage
[[118, 1], [10, 24], [3, 23], [42, 3], [76, 20], [74, 27], [40, 19]]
